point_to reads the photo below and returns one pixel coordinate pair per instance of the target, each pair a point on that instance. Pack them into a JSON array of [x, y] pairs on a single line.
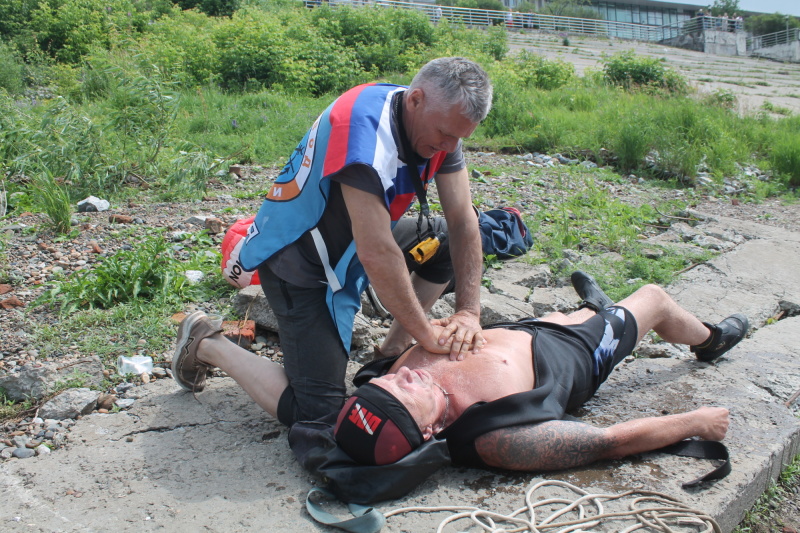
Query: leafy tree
[[571, 8], [764, 24], [214, 8], [721, 7]]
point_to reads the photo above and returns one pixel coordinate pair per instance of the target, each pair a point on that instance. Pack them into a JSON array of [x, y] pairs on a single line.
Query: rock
[[159, 372], [502, 308], [70, 404], [42, 449], [93, 204], [194, 276], [196, 220], [214, 225], [251, 302], [23, 453], [125, 403], [10, 303], [29, 382], [106, 401], [120, 219]]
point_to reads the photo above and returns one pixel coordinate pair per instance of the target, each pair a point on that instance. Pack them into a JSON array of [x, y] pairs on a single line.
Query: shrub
[[785, 157], [53, 200], [11, 70], [379, 38], [288, 53], [213, 8], [148, 271], [539, 72], [629, 70]]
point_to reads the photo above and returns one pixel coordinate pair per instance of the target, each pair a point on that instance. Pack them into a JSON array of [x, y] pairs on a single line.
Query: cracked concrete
[[178, 463]]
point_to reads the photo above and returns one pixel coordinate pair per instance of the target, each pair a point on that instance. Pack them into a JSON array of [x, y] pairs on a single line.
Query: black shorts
[[439, 268], [601, 343]]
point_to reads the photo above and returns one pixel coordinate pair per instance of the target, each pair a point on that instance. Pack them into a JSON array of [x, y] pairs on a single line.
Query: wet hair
[[375, 428], [456, 81]]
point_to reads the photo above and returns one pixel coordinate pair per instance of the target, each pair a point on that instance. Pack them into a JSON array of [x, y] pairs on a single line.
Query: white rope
[[654, 511]]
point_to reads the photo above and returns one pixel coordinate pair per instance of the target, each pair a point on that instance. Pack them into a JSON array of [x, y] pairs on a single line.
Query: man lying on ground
[[504, 407]]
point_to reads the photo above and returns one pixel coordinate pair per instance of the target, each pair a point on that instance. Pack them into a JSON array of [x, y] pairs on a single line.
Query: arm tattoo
[[551, 445]]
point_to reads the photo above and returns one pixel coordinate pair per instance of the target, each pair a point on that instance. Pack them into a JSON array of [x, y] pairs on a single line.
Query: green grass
[[763, 511]]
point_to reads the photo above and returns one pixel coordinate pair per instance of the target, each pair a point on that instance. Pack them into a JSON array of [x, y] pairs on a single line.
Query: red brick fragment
[[241, 332], [120, 219], [214, 225], [10, 303], [95, 247]]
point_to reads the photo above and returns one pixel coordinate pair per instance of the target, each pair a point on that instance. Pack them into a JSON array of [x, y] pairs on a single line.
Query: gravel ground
[[34, 257]]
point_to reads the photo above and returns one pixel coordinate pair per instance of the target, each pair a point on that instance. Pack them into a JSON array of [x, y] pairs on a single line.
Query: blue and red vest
[[355, 129]]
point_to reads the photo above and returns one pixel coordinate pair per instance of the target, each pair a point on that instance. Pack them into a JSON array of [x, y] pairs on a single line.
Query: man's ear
[[427, 432], [414, 99]]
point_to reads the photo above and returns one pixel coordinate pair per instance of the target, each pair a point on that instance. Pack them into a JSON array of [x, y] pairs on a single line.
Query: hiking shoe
[[187, 369], [724, 336], [590, 292]]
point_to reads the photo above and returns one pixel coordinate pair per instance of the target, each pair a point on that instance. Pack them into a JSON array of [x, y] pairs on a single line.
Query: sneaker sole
[[183, 337]]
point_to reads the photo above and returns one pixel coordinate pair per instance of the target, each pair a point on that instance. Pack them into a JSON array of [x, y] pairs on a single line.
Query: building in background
[[649, 12]]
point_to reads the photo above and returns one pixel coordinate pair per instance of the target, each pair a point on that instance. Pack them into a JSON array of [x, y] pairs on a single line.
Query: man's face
[[434, 128], [415, 390]]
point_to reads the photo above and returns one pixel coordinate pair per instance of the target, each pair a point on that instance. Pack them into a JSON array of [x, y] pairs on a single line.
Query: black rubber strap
[[702, 449]]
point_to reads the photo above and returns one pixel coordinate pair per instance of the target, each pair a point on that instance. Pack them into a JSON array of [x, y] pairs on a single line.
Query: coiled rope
[[648, 509]]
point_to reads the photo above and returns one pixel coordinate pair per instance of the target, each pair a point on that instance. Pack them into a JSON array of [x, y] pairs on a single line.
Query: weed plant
[[149, 271], [54, 201]]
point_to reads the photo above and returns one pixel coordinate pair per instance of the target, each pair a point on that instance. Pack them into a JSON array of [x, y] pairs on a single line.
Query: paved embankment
[[217, 463]]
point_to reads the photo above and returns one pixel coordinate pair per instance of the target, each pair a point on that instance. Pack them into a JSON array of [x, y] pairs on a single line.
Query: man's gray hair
[[451, 81]]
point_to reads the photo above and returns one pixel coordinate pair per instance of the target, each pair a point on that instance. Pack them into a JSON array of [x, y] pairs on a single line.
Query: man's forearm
[[467, 257], [559, 444], [389, 277], [647, 434]]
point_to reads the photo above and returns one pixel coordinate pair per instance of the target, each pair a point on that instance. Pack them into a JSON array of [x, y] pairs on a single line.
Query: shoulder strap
[[365, 519], [702, 449]]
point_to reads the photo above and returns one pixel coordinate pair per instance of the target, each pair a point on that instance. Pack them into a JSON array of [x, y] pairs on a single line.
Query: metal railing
[[773, 39], [518, 23], [513, 21]]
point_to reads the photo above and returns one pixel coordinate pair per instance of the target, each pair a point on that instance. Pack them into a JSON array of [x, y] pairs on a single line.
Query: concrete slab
[[178, 463]]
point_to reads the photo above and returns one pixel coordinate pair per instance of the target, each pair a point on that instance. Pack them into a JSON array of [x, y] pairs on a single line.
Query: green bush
[[537, 71], [380, 38], [628, 70], [785, 156], [183, 45], [283, 52], [11, 70], [148, 271], [213, 8], [52, 199], [769, 23]]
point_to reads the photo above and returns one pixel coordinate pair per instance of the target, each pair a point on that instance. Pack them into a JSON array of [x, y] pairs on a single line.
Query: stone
[[120, 219], [196, 220], [23, 453], [93, 204], [28, 383], [251, 302], [106, 401], [42, 449], [125, 403], [214, 225], [194, 276], [10, 303], [70, 404], [502, 308]]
